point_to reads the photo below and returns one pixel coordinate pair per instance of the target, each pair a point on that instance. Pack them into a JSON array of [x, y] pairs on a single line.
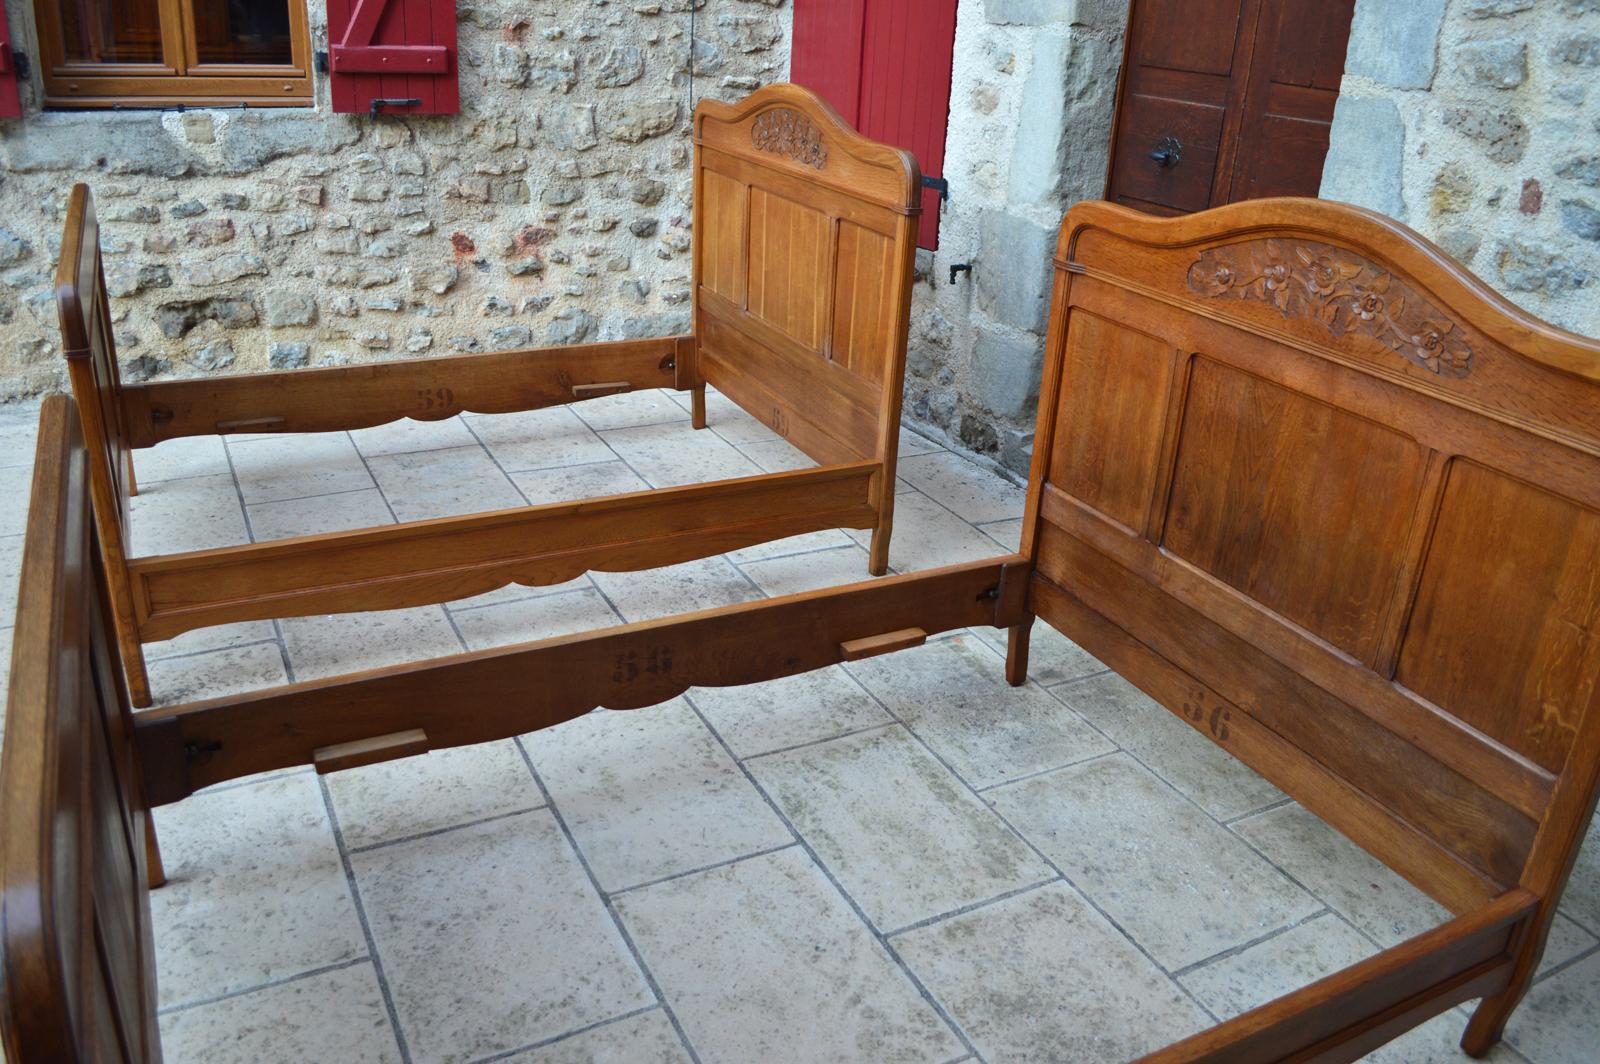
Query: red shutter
[[885, 66], [393, 52], [10, 98]]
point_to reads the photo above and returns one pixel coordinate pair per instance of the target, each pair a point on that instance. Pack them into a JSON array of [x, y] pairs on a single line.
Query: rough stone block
[[1016, 450], [1060, 150], [281, 308], [1526, 267], [1395, 43], [1580, 49], [1581, 219], [290, 354], [1098, 14], [1005, 374], [571, 326], [1365, 154], [1500, 64], [1482, 9], [1502, 134], [1012, 270]]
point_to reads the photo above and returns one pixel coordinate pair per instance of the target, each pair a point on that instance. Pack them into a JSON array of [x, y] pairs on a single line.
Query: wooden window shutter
[[10, 94], [393, 56], [885, 66]]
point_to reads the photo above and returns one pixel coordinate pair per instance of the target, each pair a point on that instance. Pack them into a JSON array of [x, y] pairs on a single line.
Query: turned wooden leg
[[155, 873], [133, 483], [878, 562], [697, 399], [1017, 637]]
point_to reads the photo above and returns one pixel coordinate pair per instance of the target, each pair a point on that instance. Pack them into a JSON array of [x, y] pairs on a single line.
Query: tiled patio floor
[[900, 860]]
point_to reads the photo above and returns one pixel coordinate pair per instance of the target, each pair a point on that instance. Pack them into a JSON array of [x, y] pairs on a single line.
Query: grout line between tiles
[[185, 1006], [575, 1032], [973, 906], [383, 844], [1234, 951], [631, 888]]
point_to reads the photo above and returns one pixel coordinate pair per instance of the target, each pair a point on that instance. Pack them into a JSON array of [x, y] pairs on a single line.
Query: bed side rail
[[479, 697], [1352, 1012], [78, 969]]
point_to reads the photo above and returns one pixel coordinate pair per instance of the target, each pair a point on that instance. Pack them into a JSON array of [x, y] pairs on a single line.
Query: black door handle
[[1168, 152]]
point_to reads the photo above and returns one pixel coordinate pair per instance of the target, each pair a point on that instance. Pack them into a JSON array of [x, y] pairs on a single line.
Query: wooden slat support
[[594, 391], [887, 643], [360, 752]]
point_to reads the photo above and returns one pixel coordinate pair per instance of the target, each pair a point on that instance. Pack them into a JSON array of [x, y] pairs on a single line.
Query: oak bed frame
[[804, 247], [1297, 476]]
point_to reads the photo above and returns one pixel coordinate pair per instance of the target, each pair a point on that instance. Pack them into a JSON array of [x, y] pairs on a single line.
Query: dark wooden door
[[1224, 100]]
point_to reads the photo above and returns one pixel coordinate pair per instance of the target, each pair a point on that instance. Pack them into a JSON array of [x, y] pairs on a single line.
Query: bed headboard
[[1323, 494], [805, 242], [78, 980]]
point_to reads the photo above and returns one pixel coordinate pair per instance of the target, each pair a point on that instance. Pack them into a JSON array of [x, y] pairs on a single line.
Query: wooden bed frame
[[804, 247], [1297, 476]]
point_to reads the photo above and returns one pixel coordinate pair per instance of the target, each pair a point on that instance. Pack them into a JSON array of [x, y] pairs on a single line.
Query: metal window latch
[[1169, 152], [409, 102], [939, 185], [959, 267]]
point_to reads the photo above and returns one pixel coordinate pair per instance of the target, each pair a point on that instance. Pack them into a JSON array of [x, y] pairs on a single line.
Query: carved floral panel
[[1340, 289], [789, 133]]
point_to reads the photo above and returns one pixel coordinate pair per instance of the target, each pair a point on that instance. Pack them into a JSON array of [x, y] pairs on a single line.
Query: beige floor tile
[[914, 443], [1567, 940], [216, 637], [650, 793], [671, 454], [652, 406], [1581, 901], [255, 890], [1214, 779], [1356, 885], [332, 1016], [539, 439], [190, 456], [215, 673], [10, 574], [296, 465], [1042, 976], [514, 591], [493, 938], [570, 483], [762, 960], [953, 694], [443, 483], [525, 620], [973, 494], [316, 514], [439, 789], [782, 548], [698, 585], [1558, 1021], [334, 644], [1439, 1042], [1008, 534], [406, 435], [1052, 657], [16, 482], [647, 1038], [804, 708], [807, 572], [734, 424], [901, 835], [776, 456], [927, 536], [1282, 964], [19, 430], [1171, 877], [197, 513]]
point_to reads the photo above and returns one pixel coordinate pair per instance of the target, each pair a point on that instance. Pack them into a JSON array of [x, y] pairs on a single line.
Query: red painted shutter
[[885, 66], [10, 97], [396, 51]]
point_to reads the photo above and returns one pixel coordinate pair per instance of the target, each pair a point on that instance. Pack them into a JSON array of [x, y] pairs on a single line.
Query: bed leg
[[138, 676], [1017, 637], [155, 872], [133, 483], [878, 558], [697, 406]]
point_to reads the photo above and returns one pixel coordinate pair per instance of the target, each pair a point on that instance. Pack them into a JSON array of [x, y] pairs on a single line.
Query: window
[[103, 53]]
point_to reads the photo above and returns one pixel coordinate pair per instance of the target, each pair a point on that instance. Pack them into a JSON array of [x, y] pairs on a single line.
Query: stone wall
[[554, 208], [1030, 118], [1477, 122]]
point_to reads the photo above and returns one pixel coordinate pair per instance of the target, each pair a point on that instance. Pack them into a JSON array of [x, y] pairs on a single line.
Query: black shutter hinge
[[397, 102], [21, 65], [939, 185], [319, 59]]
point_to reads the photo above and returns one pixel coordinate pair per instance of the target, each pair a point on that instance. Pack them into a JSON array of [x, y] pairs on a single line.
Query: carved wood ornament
[[789, 133], [1342, 290]]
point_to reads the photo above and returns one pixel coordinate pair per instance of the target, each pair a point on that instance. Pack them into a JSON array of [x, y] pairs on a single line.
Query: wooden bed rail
[[493, 694], [447, 558], [427, 389]]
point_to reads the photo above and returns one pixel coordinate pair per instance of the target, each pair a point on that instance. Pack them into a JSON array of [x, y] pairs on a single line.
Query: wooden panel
[[74, 930], [394, 50], [1297, 504], [863, 300], [724, 201], [1506, 629], [1113, 407], [453, 557], [787, 280]]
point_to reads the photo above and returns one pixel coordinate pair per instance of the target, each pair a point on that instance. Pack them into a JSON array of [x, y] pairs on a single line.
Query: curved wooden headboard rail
[[1337, 505]]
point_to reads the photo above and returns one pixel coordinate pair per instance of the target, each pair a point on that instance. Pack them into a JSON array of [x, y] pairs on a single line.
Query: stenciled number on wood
[[657, 661], [789, 133], [435, 398], [1215, 719], [1340, 289]]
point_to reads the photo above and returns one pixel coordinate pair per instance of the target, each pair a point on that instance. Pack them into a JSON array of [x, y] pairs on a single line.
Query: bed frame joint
[[360, 752]]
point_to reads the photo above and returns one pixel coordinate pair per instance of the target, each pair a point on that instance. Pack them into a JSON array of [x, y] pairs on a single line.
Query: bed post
[[1044, 432], [91, 355]]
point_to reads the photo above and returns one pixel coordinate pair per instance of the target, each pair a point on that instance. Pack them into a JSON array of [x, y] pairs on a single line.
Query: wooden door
[[1224, 100]]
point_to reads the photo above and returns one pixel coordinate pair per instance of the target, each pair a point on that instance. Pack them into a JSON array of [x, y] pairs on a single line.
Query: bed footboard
[[78, 976]]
